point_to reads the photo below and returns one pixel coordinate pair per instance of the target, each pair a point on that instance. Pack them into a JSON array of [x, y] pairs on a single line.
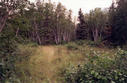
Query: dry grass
[[49, 59]]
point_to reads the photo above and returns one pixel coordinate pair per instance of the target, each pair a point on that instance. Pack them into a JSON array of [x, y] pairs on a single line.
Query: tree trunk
[[95, 34], [36, 32], [17, 31], [3, 22]]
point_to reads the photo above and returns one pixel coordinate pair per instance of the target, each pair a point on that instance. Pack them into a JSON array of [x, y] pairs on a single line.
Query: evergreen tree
[[81, 32], [119, 23]]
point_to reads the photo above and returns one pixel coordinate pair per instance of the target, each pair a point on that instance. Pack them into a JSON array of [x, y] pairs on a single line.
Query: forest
[[42, 42]]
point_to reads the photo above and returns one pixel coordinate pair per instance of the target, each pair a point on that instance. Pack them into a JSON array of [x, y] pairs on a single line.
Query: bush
[[80, 42], [92, 43], [7, 59], [7, 70], [72, 46], [99, 70], [121, 60]]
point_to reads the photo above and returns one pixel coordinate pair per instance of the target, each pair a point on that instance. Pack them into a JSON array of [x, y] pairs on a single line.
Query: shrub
[[80, 42], [121, 60], [72, 46], [92, 43], [99, 70], [9, 55], [7, 70], [7, 59]]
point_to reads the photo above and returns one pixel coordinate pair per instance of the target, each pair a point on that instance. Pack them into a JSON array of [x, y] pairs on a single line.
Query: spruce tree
[[119, 23], [81, 31]]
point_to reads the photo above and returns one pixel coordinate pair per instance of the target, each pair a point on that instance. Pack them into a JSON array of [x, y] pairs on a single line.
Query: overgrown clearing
[[42, 42], [45, 63]]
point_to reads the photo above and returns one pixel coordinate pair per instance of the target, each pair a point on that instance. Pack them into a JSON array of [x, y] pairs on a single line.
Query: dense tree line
[[107, 26], [118, 22], [48, 23], [43, 22], [95, 25]]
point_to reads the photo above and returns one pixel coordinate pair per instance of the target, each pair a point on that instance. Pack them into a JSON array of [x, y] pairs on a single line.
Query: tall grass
[[44, 64]]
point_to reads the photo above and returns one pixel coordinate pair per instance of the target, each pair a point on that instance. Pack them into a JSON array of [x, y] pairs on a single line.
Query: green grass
[[43, 64]]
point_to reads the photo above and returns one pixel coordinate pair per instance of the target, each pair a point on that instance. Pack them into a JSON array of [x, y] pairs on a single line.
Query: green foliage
[[81, 31], [42, 24], [72, 46], [96, 23], [7, 70], [92, 43], [87, 42], [10, 69], [99, 70], [7, 59], [80, 42], [121, 60], [46, 23], [118, 23]]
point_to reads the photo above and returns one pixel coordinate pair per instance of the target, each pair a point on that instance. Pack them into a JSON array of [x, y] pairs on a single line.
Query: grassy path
[[43, 63], [48, 60], [49, 54]]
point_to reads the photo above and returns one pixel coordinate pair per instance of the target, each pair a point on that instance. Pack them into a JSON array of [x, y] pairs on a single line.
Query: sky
[[85, 5]]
